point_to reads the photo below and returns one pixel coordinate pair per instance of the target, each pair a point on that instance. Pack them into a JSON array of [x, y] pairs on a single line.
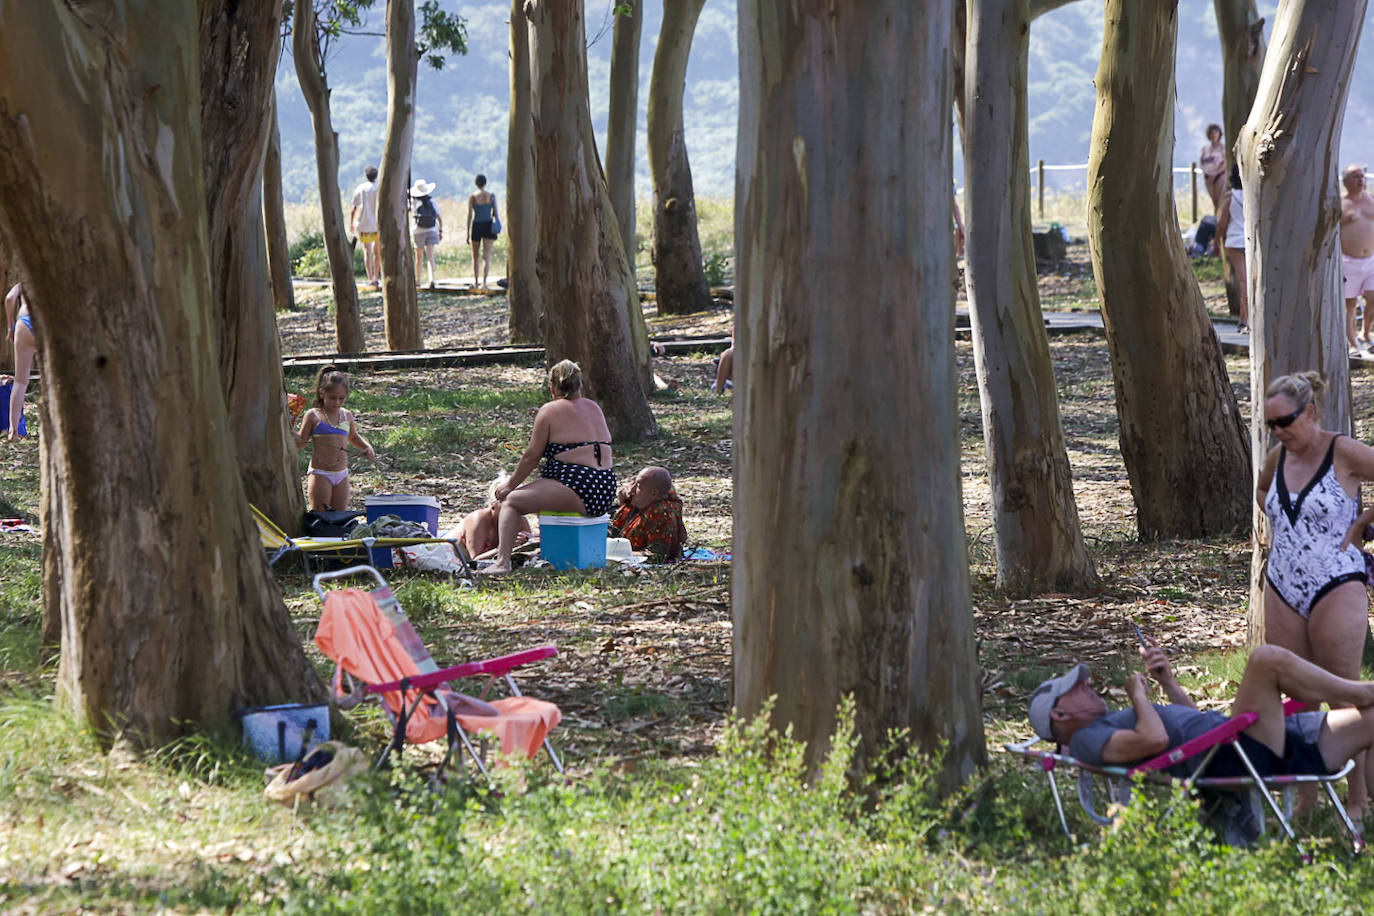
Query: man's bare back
[[1357, 216]]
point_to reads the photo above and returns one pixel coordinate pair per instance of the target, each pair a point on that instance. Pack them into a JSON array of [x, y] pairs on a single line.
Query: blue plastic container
[[573, 541], [422, 510], [5, 391]]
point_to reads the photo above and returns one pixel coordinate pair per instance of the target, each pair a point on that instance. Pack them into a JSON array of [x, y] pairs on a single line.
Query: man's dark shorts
[[1301, 757]]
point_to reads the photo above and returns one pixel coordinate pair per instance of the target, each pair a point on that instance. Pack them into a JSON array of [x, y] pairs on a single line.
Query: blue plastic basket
[[282, 734]]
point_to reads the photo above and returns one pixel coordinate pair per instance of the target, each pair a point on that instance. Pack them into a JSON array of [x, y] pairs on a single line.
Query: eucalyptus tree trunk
[[679, 276], [169, 618], [523, 295], [851, 574], [622, 121], [1182, 437], [1035, 516], [1242, 52], [238, 62], [305, 45], [274, 219], [400, 302], [588, 288], [1288, 151]]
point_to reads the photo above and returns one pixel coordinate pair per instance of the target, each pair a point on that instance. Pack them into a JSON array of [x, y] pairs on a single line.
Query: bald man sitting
[[650, 515]]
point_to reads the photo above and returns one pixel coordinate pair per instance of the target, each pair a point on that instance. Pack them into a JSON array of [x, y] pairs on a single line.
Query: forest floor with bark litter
[[643, 673]]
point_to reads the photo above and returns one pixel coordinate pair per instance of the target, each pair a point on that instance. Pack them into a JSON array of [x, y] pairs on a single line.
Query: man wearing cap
[[1357, 252], [1066, 709]]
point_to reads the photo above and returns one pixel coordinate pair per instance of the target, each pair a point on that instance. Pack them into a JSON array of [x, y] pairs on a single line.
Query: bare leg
[[25, 348], [321, 492], [1368, 314], [1350, 321], [341, 492], [486, 261], [1335, 631], [1237, 258], [542, 495], [419, 262], [476, 260], [1283, 626], [1272, 672], [725, 370]]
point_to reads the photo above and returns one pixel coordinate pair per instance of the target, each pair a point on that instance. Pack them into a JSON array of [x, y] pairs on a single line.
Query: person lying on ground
[[1066, 709], [650, 515], [477, 532], [571, 435]]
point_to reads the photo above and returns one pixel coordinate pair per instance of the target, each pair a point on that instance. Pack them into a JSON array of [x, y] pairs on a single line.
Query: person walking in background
[[429, 227], [1212, 160], [25, 349], [1231, 234], [1357, 254], [362, 222], [483, 226]]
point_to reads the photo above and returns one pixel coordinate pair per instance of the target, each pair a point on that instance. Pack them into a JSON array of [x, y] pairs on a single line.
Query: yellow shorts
[[367, 238]]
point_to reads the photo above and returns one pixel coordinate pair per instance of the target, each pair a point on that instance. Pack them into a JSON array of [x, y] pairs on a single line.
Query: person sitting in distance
[[1066, 709], [650, 515], [477, 532]]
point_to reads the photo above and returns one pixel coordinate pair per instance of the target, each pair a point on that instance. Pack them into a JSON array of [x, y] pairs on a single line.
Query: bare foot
[[494, 570]]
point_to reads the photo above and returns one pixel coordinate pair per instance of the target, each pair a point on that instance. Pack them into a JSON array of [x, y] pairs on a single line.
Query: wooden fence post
[[1041, 169]]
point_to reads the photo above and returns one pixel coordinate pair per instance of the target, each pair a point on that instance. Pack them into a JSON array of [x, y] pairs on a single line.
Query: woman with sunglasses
[[1315, 603]]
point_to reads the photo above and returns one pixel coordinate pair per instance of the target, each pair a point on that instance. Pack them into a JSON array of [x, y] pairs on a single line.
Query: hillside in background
[[462, 109]]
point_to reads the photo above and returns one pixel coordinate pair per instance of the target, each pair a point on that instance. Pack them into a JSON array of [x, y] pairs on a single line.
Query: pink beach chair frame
[[431, 679], [1118, 781]]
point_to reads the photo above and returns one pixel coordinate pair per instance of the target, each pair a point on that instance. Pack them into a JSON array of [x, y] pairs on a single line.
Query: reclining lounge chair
[[1117, 780], [279, 544], [370, 639]]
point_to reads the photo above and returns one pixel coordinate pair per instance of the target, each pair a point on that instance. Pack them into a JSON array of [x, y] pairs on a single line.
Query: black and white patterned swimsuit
[[596, 486], [1305, 561]]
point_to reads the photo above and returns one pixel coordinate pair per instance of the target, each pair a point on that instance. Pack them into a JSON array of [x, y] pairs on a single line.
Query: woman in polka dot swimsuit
[[571, 435]]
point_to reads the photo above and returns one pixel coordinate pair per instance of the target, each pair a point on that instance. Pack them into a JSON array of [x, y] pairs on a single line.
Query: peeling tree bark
[[238, 62], [1288, 162], [1242, 52], [1039, 542], [851, 574], [400, 301], [622, 122], [679, 276], [310, 73], [168, 614], [523, 295], [274, 220], [588, 288], [1182, 437]]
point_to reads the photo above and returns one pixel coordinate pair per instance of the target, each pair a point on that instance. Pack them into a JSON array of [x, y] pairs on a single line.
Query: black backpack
[[426, 214]]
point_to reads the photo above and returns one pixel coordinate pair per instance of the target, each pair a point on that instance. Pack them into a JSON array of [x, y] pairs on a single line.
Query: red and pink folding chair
[[371, 641], [1117, 781]]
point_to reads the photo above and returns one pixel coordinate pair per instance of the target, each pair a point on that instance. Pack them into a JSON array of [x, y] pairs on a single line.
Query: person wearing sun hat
[[429, 227]]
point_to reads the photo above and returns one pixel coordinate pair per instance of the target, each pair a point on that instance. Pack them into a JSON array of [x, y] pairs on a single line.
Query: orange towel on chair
[[377, 647]]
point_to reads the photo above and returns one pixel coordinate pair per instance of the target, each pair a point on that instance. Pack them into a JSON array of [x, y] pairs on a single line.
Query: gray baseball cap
[[1048, 693]]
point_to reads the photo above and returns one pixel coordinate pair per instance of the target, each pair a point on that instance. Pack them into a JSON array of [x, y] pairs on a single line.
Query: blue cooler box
[[422, 510], [570, 541]]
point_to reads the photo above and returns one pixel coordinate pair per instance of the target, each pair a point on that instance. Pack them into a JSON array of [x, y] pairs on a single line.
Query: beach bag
[[318, 776], [496, 225], [330, 523]]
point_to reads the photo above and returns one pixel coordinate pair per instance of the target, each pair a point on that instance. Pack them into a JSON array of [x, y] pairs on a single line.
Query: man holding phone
[[1066, 709]]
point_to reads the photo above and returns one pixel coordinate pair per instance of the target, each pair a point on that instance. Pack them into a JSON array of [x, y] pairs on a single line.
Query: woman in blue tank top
[[483, 226]]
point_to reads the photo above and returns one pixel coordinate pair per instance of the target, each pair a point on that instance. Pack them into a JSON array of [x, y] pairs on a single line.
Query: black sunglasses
[[1286, 420]]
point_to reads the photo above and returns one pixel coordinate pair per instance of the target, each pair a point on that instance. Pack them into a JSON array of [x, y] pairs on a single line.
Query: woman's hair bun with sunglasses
[[1302, 388]]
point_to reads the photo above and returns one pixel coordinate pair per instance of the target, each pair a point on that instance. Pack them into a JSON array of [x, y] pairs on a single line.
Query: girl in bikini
[[331, 428], [25, 349]]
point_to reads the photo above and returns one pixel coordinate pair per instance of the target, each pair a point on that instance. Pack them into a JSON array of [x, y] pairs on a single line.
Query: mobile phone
[[1139, 635]]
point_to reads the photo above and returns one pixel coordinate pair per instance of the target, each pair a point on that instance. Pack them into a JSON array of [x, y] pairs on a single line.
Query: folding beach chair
[[279, 544], [1116, 781], [369, 638]]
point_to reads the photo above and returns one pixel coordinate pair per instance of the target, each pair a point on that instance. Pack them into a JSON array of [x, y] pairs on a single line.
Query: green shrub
[[717, 268], [309, 257]]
